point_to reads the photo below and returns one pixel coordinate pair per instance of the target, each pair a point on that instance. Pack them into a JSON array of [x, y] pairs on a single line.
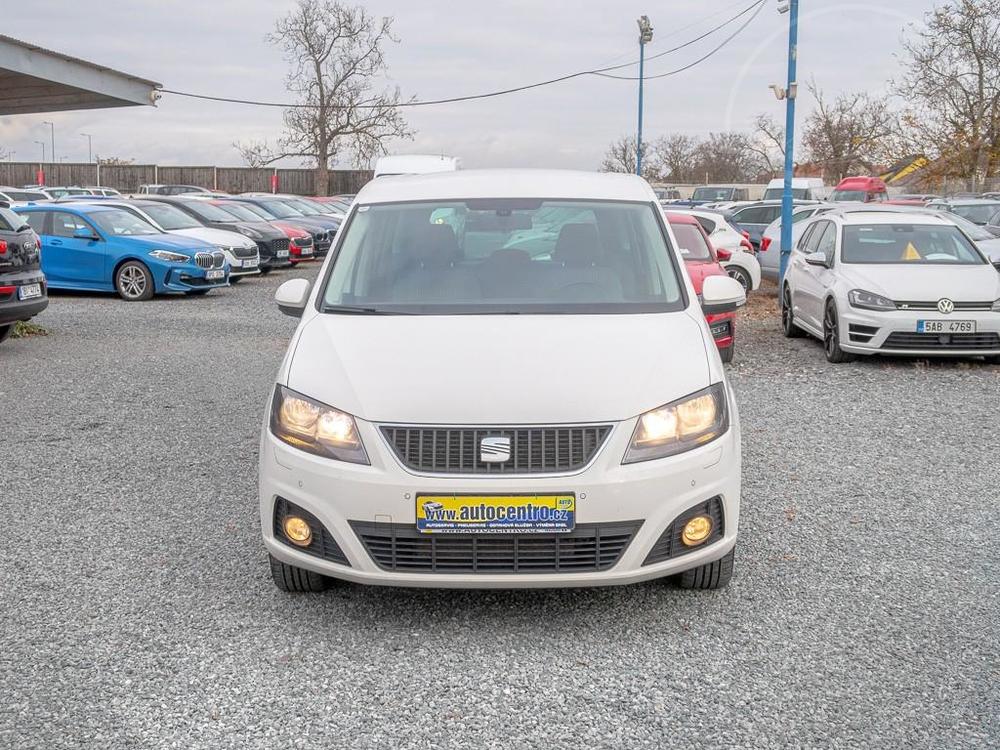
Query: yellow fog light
[[297, 531], [696, 531]]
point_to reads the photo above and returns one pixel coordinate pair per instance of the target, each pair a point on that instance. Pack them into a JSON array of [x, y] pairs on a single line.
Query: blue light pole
[[792, 7], [645, 36]]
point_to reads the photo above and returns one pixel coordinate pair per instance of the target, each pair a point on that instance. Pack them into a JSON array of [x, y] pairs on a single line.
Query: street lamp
[[792, 8], [53, 126], [90, 143], [645, 37], [42, 144]]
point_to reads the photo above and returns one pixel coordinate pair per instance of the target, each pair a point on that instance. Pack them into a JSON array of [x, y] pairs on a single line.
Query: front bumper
[[653, 493], [240, 266], [723, 328], [871, 332], [187, 278]]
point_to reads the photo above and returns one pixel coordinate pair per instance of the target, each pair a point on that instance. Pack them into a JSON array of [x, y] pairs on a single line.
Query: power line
[[711, 52], [503, 92]]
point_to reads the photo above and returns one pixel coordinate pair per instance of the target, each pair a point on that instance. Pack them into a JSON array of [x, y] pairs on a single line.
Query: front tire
[[831, 336], [788, 326], [265, 270], [5, 332], [296, 580], [134, 282], [234, 280], [713, 575], [726, 353], [735, 272]]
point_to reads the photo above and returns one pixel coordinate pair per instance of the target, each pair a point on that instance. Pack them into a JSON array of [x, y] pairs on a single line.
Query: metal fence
[[128, 177]]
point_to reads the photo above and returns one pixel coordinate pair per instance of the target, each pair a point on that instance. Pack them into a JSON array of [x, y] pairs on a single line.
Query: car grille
[[670, 545], [967, 306], [322, 545], [210, 260], [304, 241], [533, 450], [588, 548], [278, 245], [244, 252], [942, 341]]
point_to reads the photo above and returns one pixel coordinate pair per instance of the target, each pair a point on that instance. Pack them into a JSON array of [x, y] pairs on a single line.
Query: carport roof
[[33, 79]]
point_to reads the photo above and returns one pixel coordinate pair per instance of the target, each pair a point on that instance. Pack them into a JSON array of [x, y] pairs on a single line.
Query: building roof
[[34, 79], [508, 183]]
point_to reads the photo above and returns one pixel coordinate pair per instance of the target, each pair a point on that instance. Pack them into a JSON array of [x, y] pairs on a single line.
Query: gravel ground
[[136, 610]]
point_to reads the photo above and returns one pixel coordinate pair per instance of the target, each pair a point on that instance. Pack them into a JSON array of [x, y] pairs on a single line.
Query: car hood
[[925, 283], [174, 242], [220, 237], [499, 369]]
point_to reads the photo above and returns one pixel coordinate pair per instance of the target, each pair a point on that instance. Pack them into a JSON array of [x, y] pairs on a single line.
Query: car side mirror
[[723, 254], [82, 233], [292, 297], [721, 294], [817, 259]]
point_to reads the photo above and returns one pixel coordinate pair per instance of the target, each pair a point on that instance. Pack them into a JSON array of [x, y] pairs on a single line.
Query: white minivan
[[502, 378], [803, 188]]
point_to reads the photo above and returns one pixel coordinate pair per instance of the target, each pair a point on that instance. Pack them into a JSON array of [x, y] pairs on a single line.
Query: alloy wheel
[[830, 331], [132, 281], [741, 277]]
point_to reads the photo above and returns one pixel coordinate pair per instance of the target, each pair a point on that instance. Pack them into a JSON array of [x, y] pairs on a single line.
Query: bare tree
[[675, 157], [952, 81], [336, 57], [621, 157], [727, 157], [847, 135], [768, 142]]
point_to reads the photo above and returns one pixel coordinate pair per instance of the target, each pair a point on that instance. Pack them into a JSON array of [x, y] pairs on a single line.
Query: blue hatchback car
[[102, 248]]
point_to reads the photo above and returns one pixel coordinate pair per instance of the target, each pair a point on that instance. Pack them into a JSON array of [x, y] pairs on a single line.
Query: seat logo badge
[[945, 306], [494, 450]]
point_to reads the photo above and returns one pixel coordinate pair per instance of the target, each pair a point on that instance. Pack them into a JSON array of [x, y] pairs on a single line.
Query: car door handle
[[55, 242]]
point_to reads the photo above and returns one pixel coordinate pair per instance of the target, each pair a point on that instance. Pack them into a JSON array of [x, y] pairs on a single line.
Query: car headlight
[[869, 300], [680, 425], [169, 256], [996, 304], [310, 426]]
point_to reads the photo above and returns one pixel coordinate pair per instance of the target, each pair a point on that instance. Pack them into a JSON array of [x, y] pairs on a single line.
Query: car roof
[[874, 216], [508, 183], [82, 207], [970, 201]]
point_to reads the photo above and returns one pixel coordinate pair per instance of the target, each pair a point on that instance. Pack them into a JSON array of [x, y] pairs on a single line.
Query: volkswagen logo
[[494, 450], [945, 306]]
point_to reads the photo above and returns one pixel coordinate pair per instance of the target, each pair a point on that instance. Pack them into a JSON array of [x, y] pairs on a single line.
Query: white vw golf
[[888, 283], [502, 379]]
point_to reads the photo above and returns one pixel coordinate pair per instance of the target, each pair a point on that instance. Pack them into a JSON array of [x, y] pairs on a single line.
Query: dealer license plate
[[282, 253], [215, 273], [946, 326], [307, 251], [29, 291], [252, 263], [496, 514]]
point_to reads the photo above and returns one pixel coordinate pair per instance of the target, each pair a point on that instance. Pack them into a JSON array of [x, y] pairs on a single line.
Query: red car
[[300, 245], [702, 260]]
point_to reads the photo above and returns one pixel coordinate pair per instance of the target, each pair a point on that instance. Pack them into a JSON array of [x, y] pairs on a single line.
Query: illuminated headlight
[[315, 428], [169, 256], [680, 426], [869, 300]]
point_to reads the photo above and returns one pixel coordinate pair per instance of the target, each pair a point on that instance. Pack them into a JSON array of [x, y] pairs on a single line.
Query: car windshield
[[976, 232], [19, 195], [278, 210], [691, 242], [849, 196], [170, 218], [504, 256], [977, 213], [121, 223], [257, 212], [908, 244], [10, 221], [208, 212], [778, 193], [239, 211], [712, 194], [303, 207]]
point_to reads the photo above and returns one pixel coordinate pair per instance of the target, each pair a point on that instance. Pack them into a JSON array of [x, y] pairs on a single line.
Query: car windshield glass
[[712, 194], [778, 193], [303, 207], [121, 223], [978, 213], [504, 256], [238, 211], [691, 242], [208, 212], [848, 195], [975, 231], [170, 218], [278, 210], [18, 195], [10, 221], [257, 212], [908, 244]]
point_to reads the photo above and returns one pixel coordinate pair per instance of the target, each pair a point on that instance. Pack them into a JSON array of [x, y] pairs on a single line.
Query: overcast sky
[[450, 48]]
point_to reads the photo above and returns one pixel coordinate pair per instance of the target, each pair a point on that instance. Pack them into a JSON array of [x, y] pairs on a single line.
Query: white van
[[803, 188], [390, 166]]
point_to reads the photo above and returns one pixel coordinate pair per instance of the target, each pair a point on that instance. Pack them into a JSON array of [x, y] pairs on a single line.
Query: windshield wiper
[[356, 310]]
